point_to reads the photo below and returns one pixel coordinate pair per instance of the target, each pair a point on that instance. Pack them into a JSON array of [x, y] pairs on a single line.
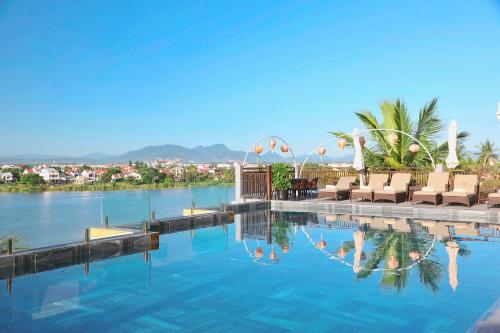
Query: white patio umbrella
[[452, 159], [359, 162]]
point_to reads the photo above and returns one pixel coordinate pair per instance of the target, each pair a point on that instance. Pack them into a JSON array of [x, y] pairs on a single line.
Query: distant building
[[50, 174], [80, 180], [89, 175], [28, 171], [133, 175], [7, 177], [117, 176]]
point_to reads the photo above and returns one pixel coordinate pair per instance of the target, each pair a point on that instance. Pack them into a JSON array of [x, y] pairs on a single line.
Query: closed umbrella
[[452, 159], [359, 162], [359, 239], [452, 249]]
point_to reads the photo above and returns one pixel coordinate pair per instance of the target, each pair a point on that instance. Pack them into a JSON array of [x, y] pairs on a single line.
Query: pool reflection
[[366, 244]]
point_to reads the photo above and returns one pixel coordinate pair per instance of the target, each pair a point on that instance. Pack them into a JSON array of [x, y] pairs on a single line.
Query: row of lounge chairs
[[437, 191]]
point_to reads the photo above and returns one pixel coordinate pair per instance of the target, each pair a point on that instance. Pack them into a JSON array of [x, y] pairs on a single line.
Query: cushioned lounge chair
[[339, 191], [398, 190], [494, 199], [465, 191], [437, 183], [377, 182]]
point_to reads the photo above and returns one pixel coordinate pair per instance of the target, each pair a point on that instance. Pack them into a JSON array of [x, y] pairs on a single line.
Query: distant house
[[89, 175], [50, 174], [80, 180], [178, 172], [117, 176], [133, 175], [28, 171], [99, 173], [7, 177]]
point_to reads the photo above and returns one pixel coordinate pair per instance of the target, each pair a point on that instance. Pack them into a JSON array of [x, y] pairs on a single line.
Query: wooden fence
[[256, 183]]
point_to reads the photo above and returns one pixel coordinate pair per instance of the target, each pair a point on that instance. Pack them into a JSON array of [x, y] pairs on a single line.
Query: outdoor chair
[[377, 182], [493, 199], [339, 191], [398, 190], [465, 191], [437, 183]]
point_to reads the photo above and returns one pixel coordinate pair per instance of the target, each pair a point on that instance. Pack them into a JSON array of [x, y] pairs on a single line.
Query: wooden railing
[[328, 175], [256, 182]]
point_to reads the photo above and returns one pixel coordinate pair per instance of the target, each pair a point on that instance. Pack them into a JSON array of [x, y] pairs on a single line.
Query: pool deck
[[477, 213]]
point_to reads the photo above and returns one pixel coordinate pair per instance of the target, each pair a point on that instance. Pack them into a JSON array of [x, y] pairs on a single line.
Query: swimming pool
[[276, 271]]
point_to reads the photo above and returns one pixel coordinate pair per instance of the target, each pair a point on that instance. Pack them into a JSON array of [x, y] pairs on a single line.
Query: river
[[48, 218]]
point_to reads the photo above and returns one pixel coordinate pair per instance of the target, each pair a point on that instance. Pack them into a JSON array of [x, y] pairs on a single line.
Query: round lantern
[[414, 148], [414, 255], [322, 151], [284, 148], [259, 149], [362, 141], [342, 252], [393, 263], [272, 144], [321, 244], [393, 139], [259, 252], [273, 255], [342, 143]]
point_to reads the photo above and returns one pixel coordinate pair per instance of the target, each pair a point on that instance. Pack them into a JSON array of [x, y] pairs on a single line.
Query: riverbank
[[114, 186]]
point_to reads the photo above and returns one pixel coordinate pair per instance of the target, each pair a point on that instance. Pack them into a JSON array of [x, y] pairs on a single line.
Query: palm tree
[[487, 152], [395, 116]]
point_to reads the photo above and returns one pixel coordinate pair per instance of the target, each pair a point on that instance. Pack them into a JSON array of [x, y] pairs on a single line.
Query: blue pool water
[[48, 218], [336, 275]]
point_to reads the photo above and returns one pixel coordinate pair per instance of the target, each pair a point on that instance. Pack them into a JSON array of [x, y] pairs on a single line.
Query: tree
[[487, 152], [32, 179], [395, 116], [150, 175], [106, 177]]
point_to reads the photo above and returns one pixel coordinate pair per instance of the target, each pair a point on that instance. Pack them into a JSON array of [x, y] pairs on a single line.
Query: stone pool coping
[[478, 214]]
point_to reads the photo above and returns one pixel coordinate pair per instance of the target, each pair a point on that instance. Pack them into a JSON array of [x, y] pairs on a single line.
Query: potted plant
[[282, 180]]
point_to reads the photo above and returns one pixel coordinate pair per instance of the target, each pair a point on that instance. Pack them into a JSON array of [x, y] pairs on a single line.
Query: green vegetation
[[395, 115], [112, 186], [487, 154], [281, 176], [32, 179]]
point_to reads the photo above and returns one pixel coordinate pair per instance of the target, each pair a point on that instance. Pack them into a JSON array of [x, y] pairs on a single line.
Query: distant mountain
[[200, 154]]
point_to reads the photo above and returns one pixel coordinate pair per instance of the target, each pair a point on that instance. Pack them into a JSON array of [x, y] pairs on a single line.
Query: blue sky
[[108, 76]]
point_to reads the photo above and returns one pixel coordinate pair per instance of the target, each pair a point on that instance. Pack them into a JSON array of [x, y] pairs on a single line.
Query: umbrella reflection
[[452, 249]]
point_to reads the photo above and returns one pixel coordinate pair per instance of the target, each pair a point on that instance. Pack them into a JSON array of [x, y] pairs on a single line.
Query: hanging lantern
[[321, 244], [393, 263], [393, 139], [285, 249], [342, 143], [259, 149], [259, 252], [414, 148], [342, 252], [321, 152], [272, 144], [284, 148], [414, 255], [273, 255], [362, 141]]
